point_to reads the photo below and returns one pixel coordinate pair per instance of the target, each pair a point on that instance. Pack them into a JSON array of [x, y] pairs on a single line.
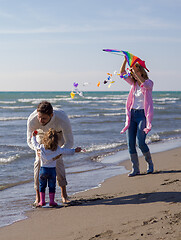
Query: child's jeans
[[135, 130], [47, 175]]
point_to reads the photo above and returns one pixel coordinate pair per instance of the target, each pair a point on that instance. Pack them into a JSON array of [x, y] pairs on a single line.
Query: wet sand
[[141, 207]]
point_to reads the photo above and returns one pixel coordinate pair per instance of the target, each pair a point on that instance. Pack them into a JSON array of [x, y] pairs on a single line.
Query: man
[[45, 117]]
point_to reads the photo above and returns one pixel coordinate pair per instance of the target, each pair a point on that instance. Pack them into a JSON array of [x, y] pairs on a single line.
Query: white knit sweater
[[59, 122]]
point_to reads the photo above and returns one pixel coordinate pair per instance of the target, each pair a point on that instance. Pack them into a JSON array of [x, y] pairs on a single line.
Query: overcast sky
[[47, 45]]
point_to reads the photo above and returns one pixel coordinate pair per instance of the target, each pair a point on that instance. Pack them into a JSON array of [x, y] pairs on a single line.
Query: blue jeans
[[47, 175], [135, 130]]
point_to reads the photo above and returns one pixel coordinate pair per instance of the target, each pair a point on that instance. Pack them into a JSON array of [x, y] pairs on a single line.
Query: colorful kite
[[75, 91], [108, 80], [131, 59], [98, 84]]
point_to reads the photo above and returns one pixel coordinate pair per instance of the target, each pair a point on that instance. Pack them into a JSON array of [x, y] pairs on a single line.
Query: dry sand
[[123, 208]]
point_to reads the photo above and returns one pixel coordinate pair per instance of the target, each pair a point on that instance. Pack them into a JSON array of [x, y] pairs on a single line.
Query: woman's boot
[[135, 165], [148, 158]]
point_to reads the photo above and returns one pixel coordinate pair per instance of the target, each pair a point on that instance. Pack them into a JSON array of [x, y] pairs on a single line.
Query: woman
[[139, 114]]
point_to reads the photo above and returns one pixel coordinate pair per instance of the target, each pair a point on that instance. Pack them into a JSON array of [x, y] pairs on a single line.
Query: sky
[[48, 45]]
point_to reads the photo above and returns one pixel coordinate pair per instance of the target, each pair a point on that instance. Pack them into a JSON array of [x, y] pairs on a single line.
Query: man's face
[[44, 118]]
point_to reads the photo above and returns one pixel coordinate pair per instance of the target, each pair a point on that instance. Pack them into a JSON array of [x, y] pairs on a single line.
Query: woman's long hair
[[50, 140], [142, 70]]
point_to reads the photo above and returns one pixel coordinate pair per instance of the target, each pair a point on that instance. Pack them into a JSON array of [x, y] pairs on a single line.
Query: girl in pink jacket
[[139, 114]]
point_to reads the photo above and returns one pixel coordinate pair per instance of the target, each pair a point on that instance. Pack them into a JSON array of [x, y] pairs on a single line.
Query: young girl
[[139, 114], [49, 151]]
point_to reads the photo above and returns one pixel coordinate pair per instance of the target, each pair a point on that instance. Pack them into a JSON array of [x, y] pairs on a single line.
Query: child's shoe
[[42, 199], [52, 202]]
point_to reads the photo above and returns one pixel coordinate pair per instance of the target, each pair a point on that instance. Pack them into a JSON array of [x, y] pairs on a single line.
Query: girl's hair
[[50, 140], [142, 70]]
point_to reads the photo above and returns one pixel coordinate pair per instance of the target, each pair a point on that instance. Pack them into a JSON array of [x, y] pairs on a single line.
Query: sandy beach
[[141, 207]]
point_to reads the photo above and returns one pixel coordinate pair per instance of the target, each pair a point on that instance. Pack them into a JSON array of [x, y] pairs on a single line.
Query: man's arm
[[65, 125], [30, 128]]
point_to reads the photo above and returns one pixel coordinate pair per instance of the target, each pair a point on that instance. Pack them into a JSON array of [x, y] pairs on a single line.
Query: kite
[[72, 94], [131, 59], [75, 84], [98, 84], [108, 80], [75, 91]]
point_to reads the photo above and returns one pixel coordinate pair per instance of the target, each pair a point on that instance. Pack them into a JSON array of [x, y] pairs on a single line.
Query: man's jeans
[[135, 131]]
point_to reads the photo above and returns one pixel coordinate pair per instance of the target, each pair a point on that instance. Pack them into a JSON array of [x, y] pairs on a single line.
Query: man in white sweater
[[45, 117]]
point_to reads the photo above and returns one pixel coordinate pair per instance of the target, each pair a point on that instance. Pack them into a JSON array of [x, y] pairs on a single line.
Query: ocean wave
[[38, 100], [106, 146], [106, 101], [161, 136], [159, 108], [12, 118], [83, 116], [16, 107], [113, 109], [165, 100], [107, 97], [9, 159], [171, 132], [153, 138], [95, 115], [8, 102]]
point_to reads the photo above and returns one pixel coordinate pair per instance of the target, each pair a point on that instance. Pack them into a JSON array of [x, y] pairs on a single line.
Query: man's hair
[[45, 108], [50, 140]]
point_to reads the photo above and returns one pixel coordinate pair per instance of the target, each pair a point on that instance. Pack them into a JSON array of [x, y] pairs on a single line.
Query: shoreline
[[121, 208]]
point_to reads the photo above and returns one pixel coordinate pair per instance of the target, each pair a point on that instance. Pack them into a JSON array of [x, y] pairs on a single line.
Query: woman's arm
[[123, 73]]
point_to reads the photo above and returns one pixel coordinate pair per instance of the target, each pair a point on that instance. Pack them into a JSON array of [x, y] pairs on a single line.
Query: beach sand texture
[[123, 208]]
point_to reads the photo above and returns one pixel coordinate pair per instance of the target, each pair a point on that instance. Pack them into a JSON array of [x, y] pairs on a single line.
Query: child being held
[[49, 152]]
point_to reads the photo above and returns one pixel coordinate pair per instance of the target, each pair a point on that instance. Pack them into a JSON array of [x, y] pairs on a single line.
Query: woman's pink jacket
[[146, 89]]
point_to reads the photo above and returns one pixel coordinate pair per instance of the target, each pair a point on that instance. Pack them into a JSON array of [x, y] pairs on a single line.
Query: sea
[[97, 119]]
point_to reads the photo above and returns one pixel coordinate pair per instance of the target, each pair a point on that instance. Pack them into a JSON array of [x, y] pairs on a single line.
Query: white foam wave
[[113, 101], [113, 114], [103, 146], [16, 107], [165, 100], [108, 97], [95, 115], [38, 100], [113, 109], [12, 118], [159, 108], [153, 138], [177, 130], [7, 102], [9, 159], [83, 116]]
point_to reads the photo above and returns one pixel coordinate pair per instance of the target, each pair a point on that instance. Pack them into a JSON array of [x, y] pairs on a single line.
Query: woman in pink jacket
[[139, 114]]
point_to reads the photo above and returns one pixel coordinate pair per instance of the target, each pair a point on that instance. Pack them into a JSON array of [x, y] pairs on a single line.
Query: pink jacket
[[146, 89]]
